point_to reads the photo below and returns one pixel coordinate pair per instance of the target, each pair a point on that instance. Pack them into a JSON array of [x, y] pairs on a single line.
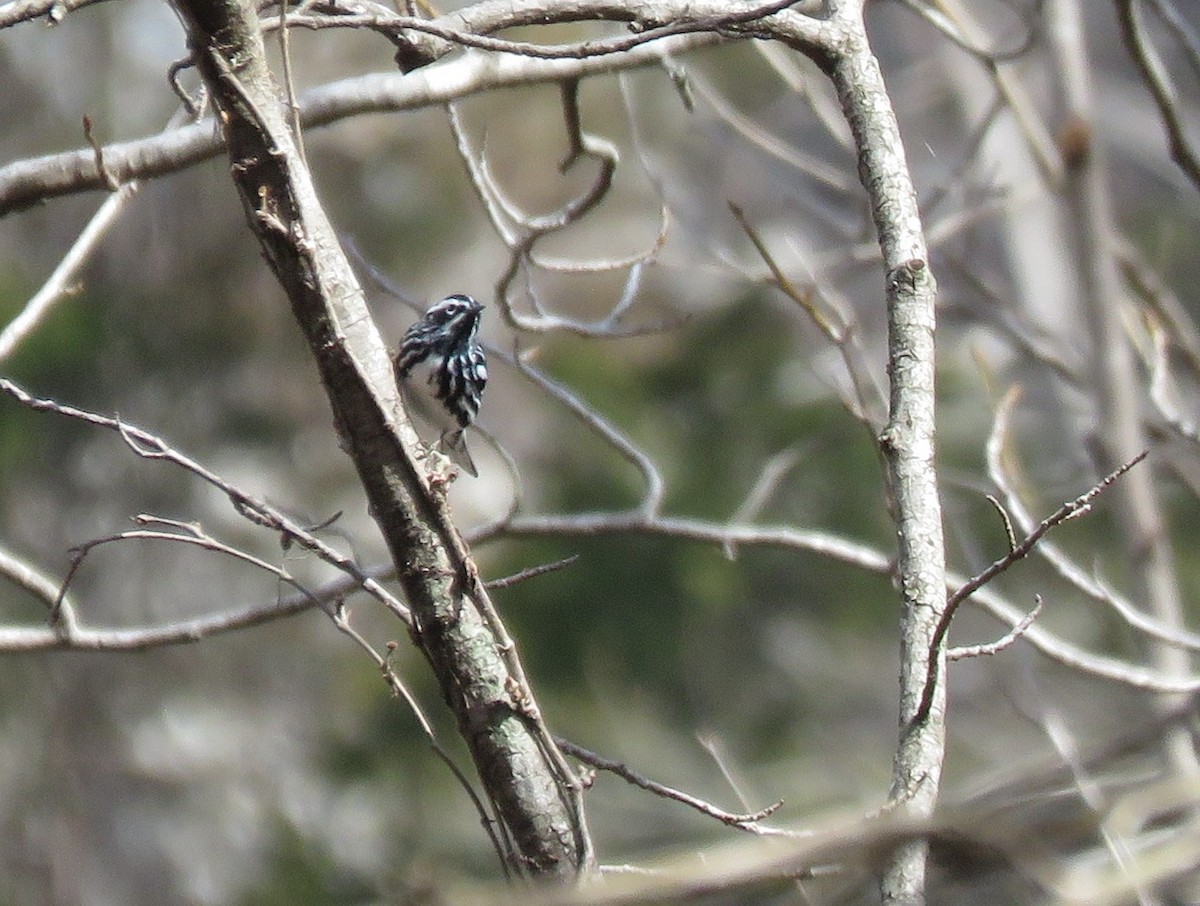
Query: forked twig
[[1069, 510], [151, 446]]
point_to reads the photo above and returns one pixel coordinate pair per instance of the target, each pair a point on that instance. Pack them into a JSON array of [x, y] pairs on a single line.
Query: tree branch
[[1162, 89], [907, 441], [26, 182], [748, 821], [535, 794], [58, 284]]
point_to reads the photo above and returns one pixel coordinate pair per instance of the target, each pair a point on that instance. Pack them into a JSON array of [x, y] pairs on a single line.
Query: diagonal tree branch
[[1162, 88], [526, 778]]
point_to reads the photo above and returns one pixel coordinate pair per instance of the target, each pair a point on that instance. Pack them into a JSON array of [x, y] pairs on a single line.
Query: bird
[[442, 370]]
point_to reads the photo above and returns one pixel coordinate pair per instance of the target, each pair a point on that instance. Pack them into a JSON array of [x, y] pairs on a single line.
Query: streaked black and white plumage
[[442, 371]]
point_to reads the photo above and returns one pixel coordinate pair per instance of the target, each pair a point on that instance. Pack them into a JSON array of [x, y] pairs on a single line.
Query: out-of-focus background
[[271, 765]]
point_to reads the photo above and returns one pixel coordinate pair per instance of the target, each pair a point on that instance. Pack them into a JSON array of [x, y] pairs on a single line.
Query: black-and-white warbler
[[442, 371]]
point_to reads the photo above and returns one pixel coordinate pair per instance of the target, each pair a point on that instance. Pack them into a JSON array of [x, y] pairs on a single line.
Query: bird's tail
[[454, 445]]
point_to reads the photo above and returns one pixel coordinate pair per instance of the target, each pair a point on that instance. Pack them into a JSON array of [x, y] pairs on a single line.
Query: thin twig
[[180, 533], [1152, 289], [530, 573], [110, 180], [1005, 641], [991, 58], [150, 446], [487, 819], [521, 233], [1086, 583], [747, 822], [1160, 394], [1162, 89], [745, 22], [194, 108], [655, 486], [58, 284], [773, 472], [1069, 510], [1009, 534], [77, 637], [289, 84], [839, 330]]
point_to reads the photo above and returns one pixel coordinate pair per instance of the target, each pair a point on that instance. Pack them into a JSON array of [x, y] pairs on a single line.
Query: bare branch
[[1164, 302], [534, 792], [110, 181], [773, 472], [1160, 395], [1007, 640], [811, 165], [531, 573], [471, 27], [1181, 30], [655, 486], [843, 550], [54, 11], [1017, 97], [14, 639], [150, 446], [1009, 534], [1069, 510], [1120, 425], [17, 639], [747, 822], [37, 583], [181, 533], [25, 182], [1078, 578], [521, 232], [58, 284], [1162, 89], [503, 847], [24, 575], [944, 24], [867, 405], [907, 442]]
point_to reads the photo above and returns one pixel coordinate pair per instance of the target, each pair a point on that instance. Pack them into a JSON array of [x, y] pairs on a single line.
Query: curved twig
[[939, 20], [151, 446], [747, 822], [1162, 89]]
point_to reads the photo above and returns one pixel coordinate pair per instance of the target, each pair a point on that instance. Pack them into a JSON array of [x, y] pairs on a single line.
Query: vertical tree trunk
[[908, 439]]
